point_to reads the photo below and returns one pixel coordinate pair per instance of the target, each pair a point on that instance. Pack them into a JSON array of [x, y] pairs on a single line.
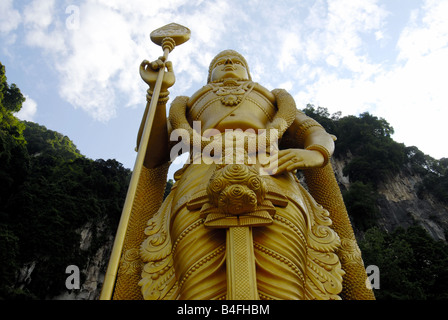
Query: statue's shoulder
[[198, 94], [264, 91]]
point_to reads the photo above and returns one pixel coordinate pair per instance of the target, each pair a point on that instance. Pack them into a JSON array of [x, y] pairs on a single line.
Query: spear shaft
[[168, 44]]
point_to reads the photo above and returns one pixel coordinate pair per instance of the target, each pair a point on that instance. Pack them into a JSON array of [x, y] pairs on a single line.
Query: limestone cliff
[[92, 273], [400, 204]]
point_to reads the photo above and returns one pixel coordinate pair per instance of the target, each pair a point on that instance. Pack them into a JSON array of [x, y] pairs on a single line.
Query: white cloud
[[290, 46], [28, 110], [336, 69], [101, 52], [337, 29], [352, 96], [427, 31], [286, 85], [9, 18], [39, 13], [38, 18], [379, 35], [410, 94], [99, 60], [416, 99]]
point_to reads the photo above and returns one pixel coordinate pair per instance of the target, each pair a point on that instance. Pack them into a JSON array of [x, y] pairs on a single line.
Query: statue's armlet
[[307, 133]]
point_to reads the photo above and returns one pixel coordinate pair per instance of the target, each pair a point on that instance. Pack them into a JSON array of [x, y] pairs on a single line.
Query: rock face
[[24, 274], [399, 204], [93, 272]]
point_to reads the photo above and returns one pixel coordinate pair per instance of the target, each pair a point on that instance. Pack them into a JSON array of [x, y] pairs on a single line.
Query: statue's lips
[[229, 68]]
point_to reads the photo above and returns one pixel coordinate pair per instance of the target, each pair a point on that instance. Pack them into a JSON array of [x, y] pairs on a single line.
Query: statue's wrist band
[[163, 97], [325, 153]]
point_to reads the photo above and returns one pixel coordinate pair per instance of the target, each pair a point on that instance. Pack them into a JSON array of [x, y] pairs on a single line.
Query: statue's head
[[228, 64]]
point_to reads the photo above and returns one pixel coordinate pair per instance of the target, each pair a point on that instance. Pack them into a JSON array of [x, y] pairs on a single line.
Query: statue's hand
[[150, 70], [294, 159]]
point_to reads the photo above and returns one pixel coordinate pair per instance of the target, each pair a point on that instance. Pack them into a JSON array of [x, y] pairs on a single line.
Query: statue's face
[[229, 67]]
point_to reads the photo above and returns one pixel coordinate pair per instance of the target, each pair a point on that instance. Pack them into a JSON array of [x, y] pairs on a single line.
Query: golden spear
[[167, 37]]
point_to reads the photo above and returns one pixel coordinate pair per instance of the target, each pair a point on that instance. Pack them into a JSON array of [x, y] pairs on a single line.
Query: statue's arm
[[310, 135], [157, 152], [304, 145]]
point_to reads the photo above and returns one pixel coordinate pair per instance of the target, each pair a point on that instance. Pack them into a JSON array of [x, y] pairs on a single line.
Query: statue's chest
[[231, 95], [230, 99]]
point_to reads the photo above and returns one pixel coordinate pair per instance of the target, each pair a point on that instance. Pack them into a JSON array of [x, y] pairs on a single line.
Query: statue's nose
[[229, 61]]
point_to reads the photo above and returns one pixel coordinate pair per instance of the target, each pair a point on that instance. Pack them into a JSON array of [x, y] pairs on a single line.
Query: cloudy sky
[[77, 61]]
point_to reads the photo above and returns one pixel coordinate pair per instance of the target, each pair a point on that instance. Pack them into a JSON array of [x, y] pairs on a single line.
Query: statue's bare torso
[[232, 105]]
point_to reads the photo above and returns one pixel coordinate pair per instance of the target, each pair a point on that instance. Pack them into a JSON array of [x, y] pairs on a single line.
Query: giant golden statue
[[237, 223]]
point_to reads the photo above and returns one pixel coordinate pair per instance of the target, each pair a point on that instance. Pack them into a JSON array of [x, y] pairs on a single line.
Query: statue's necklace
[[231, 92]]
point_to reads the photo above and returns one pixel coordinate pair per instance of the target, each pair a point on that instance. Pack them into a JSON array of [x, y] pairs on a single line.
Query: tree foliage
[[59, 198], [435, 179], [374, 156], [11, 100], [360, 200], [168, 186], [61, 193], [368, 139], [412, 265], [48, 191]]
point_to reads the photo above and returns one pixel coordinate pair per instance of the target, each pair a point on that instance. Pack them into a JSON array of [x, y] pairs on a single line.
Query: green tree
[[360, 200], [368, 139], [374, 156], [48, 192], [375, 153], [56, 205], [14, 168], [412, 264], [60, 197], [168, 187], [41, 140], [322, 116], [435, 180], [11, 100], [10, 95]]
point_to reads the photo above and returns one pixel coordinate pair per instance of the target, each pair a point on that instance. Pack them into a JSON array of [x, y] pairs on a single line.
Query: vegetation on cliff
[[372, 155], [411, 264], [48, 191]]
